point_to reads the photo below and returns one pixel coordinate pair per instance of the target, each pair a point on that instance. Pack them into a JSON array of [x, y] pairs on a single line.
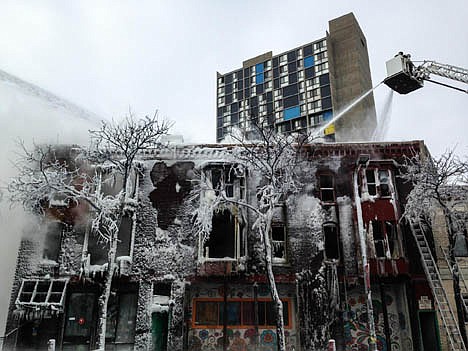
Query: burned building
[[176, 289]]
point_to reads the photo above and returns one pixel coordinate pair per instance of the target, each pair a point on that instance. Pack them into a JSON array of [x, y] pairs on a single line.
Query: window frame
[[321, 189], [238, 184], [377, 183], [274, 259], [33, 304]]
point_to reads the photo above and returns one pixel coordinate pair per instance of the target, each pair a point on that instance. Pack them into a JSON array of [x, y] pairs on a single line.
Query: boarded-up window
[[125, 236]]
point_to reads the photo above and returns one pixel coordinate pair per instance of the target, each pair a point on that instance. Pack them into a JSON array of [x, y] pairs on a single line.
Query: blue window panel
[[327, 115], [308, 61], [259, 78], [291, 113], [259, 68]]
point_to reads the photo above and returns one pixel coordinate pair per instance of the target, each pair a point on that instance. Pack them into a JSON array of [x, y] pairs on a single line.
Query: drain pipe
[[362, 161]]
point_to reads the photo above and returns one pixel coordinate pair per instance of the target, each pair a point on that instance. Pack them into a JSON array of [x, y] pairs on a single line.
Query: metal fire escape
[[433, 276]]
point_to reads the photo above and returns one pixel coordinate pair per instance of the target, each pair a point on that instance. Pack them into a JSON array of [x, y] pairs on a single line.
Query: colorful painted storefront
[[246, 313], [391, 314]]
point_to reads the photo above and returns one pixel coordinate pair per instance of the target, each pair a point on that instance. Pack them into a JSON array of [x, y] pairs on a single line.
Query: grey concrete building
[[301, 89]]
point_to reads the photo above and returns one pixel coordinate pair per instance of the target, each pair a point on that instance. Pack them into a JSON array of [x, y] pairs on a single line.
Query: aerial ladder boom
[[404, 77]]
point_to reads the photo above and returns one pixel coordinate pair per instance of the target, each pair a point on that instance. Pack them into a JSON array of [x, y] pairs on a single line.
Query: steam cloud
[[32, 114]]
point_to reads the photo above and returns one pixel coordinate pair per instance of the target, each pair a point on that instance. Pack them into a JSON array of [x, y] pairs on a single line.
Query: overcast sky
[[108, 56]]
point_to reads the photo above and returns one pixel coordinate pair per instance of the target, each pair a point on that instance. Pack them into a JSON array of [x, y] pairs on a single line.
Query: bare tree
[[276, 160], [440, 184], [45, 176]]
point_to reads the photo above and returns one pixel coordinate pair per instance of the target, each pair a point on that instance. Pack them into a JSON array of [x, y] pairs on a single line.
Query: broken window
[[111, 183], [371, 185], [225, 237], [327, 188], [278, 242], [52, 241], [34, 293], [97, 249], [386, 240], [332, 246], [378, 182], [392, 236], [229, 178], [380, 242], [162, 289], [240, 313], [384, 182]]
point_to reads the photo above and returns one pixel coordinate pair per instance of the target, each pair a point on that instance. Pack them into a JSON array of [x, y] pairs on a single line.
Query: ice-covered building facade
[[178, 291]]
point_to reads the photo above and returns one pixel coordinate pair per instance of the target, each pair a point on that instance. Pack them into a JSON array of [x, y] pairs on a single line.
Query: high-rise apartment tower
[[303, 88]]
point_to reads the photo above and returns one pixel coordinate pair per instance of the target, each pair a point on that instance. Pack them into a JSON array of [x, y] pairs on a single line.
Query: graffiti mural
[[355, 328]]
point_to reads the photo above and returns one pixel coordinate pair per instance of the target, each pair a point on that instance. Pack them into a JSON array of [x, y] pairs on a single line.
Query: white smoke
[[32, 114], [384, 118]]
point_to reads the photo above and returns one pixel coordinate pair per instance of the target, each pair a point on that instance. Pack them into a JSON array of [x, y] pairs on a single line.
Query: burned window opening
[[332, 243], [224, 240], [162, 289], [380, 244], [278, 241], [97, 249], [52, 242], [171, 185], [385, 237], [327, 188], [371, 184]]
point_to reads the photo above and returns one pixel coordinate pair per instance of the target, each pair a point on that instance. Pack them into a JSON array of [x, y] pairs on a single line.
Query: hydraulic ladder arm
[[404, 76]]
